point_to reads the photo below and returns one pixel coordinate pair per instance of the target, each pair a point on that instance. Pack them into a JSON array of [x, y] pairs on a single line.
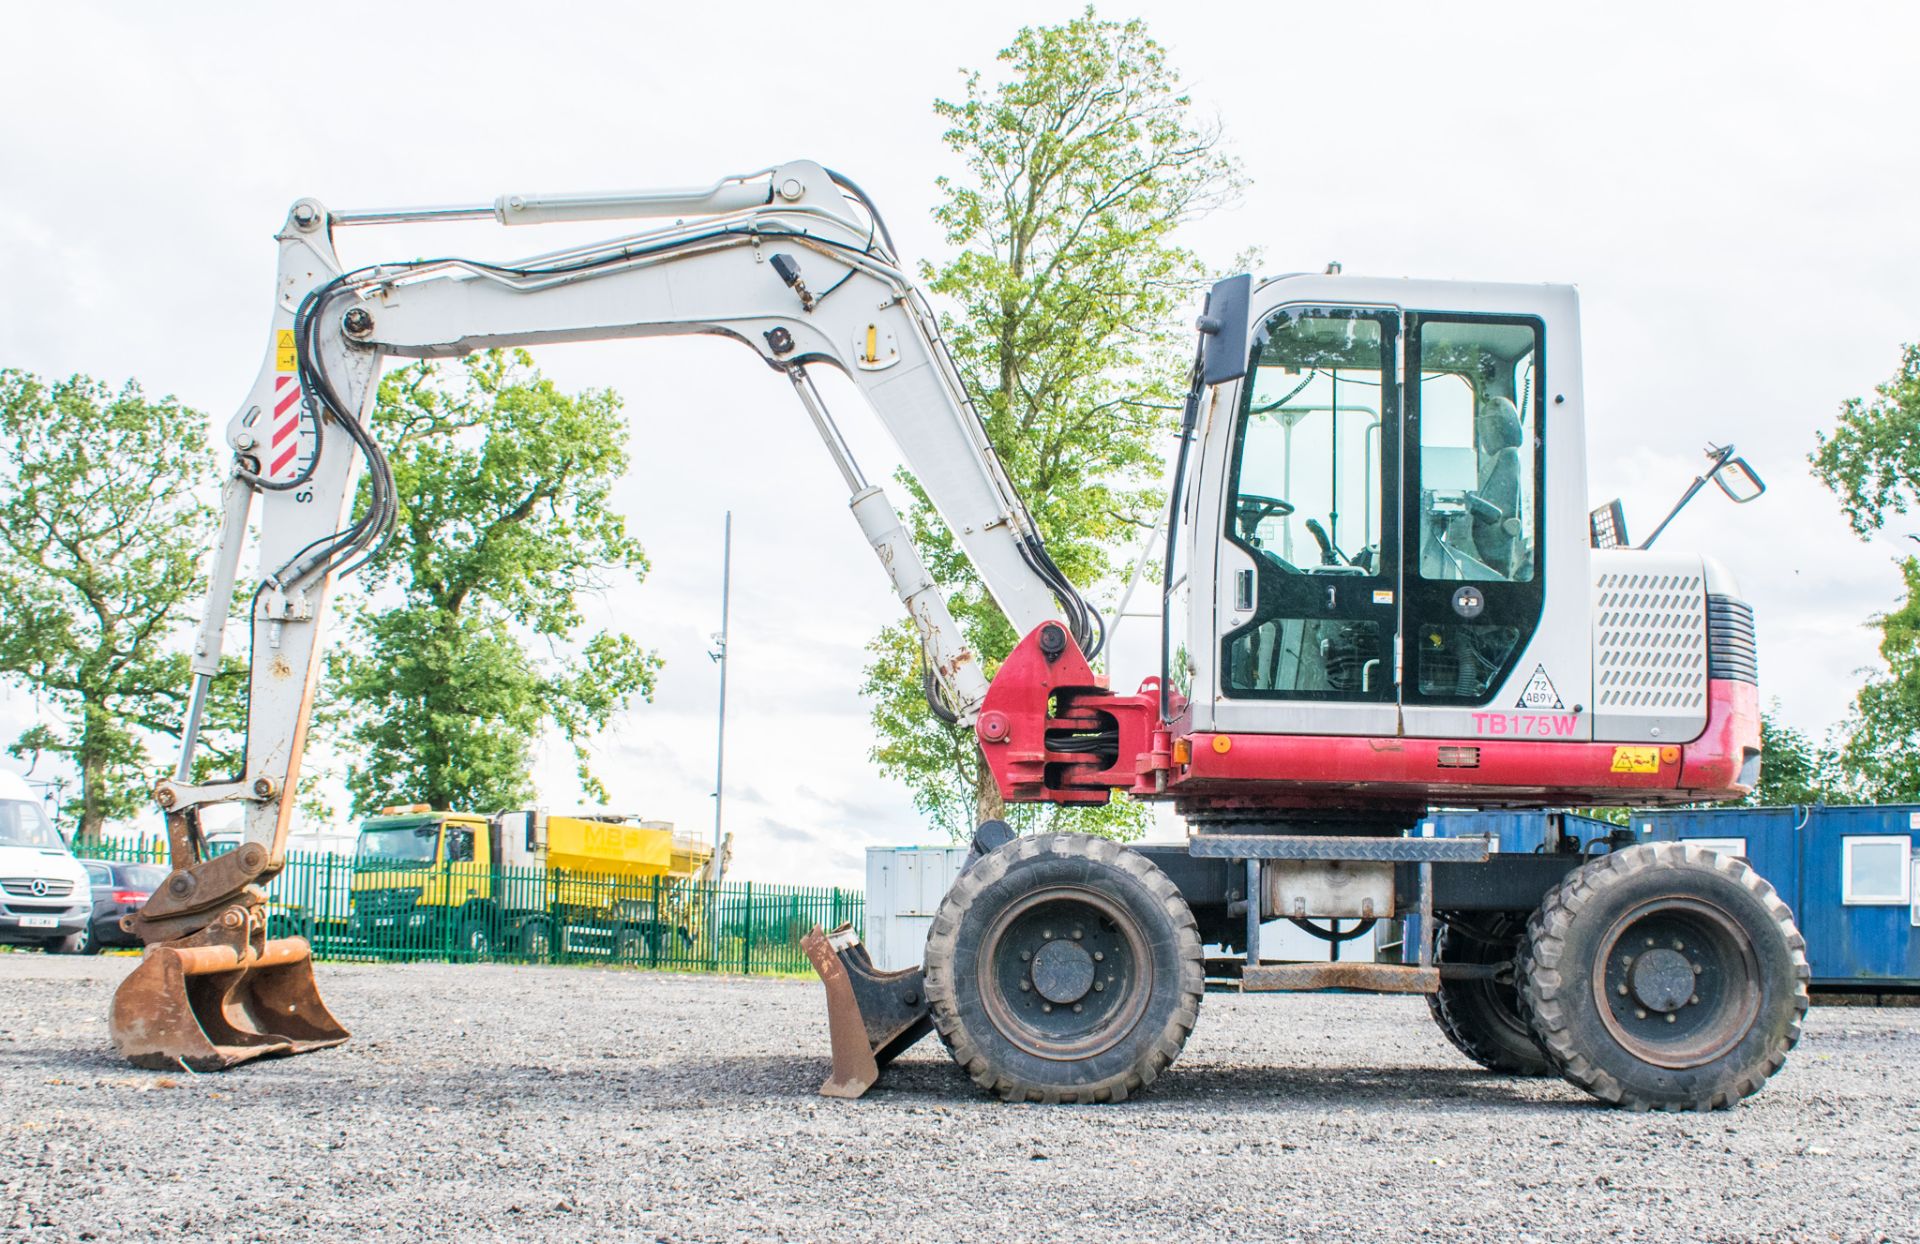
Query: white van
[[45, 899]]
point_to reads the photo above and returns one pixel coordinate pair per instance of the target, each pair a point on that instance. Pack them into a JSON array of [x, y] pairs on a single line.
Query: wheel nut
[[1025, 955], [1077, 1008], [1098, 986], [1671, 1017], [1639, 1014], [1077, 935], [1696, 969], [1622, 990], [1649, 941], [1098, 955], [1678, 944], [1047, 1007], [1694, 1000], [1025, 986], [1048, 935]]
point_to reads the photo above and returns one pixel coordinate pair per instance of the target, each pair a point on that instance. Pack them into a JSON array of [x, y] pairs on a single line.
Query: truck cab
[[415, 869]]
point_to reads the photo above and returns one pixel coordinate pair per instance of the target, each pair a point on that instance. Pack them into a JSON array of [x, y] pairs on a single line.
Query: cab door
[[1308, 573], [1474, 586]]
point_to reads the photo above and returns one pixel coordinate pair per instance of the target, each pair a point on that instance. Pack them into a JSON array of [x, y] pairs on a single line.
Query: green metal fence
[[372, 910]]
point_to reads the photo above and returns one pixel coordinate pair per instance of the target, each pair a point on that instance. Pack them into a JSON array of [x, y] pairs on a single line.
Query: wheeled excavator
[[1382, 592]]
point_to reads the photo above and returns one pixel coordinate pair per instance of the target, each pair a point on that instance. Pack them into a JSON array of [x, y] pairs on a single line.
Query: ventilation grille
[[1650, 644], [1731, 650]]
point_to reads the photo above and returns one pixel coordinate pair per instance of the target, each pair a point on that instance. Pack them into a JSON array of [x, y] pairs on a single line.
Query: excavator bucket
[[220, 997], [871, 1015]]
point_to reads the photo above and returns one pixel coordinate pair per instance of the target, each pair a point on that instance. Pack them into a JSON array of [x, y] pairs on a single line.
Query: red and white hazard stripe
[[283, 435]]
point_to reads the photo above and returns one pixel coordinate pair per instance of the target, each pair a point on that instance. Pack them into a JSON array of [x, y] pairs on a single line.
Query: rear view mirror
[[1739, 481], [1223, 330]]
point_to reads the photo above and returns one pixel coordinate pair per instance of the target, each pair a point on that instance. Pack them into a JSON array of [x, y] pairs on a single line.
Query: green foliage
[[504, 484], [1794, 768], [1872, 459], [1066, 302], [1880, 760], [103, 518]]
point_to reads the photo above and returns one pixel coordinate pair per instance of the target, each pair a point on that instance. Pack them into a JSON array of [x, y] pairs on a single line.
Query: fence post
[[746, 939]]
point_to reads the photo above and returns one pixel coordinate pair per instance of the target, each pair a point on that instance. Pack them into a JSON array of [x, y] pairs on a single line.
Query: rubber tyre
[[1568, 939], [536, 941], [1148, 1028], [69, 945], [1484, 1019], [476, 941]]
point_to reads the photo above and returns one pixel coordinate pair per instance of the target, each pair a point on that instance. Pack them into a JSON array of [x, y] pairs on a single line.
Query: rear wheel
[[1482, 1017], [1063, 968], [536, 940], [1666, 977]]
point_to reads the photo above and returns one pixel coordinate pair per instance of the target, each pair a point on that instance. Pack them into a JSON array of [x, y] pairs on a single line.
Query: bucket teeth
[[872, 1016], [220, 997]]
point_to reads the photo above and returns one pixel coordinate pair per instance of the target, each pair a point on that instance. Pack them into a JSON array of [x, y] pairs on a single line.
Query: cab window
[[1473, 499], [1315, 443], [459, 845]]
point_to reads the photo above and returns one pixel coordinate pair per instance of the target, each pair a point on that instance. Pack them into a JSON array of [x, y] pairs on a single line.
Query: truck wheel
[[1666, 977], [536, 940], [1482, 1017], [476, 941], [1063, 968]]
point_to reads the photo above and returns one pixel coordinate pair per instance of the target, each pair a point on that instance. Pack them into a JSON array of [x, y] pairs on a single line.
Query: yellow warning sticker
[[284, 358], [1636, 760]]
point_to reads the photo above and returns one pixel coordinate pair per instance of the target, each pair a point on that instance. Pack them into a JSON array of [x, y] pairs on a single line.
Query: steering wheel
[[1254, 509]]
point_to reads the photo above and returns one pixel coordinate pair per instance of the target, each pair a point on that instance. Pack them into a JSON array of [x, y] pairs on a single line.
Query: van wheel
[[1666, 977], [1064, 968], [71, 944]]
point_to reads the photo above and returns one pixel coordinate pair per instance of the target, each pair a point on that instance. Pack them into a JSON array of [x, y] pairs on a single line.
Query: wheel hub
[[1062, 971], [1662, 979]]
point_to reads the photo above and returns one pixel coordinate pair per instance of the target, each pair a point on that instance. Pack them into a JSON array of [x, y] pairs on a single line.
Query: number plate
[[383, 922], [39, 922]]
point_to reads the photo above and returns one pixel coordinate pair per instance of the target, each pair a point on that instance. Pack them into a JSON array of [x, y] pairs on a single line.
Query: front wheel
[[1666, 977], [1063, 968]]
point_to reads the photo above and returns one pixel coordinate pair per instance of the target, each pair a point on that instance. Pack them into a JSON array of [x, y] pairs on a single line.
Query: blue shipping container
[[1851, 875]]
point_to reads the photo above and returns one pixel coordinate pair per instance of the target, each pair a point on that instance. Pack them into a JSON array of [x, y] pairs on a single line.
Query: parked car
[[117, 889], [44, 897]]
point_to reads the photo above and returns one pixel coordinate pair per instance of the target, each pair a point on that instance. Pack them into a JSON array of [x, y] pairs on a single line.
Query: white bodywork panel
[[1649, 646]]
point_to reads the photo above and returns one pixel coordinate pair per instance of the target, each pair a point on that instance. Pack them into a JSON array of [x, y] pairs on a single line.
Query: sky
[[1732, 188]]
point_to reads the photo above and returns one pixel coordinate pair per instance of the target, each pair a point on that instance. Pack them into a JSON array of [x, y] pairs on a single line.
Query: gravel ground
[[573, 1104]]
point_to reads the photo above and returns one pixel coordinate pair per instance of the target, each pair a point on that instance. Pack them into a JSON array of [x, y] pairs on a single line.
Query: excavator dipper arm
[[793, 262]]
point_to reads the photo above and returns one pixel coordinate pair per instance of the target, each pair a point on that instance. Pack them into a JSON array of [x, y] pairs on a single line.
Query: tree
[[104, 514], [1066, 304], [503, 483], [1872, 463], [1794, 769], [1872, 459], [1880, 760]]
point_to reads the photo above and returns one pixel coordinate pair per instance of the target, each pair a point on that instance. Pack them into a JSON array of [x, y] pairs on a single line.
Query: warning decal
[[1636, 760], [284, 357], [283, 431], [1539, 692]]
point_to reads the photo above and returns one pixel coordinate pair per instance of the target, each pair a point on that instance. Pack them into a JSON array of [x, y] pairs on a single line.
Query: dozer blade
[[220, 997], [871, 1015]]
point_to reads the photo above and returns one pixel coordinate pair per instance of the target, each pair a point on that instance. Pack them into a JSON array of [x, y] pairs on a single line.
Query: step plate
[[1326, 847], [1314, 977]]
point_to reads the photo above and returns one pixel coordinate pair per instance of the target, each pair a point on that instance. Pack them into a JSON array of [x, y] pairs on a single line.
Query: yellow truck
[[525, 884]]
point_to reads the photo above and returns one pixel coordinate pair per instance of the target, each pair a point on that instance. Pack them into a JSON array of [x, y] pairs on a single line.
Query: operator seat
[[1498, 436]]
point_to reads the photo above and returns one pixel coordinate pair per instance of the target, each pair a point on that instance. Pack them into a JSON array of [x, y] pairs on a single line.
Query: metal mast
[[719, 654]]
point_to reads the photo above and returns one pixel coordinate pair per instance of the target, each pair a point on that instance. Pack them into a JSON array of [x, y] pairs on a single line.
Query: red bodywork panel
[[1035, 706]]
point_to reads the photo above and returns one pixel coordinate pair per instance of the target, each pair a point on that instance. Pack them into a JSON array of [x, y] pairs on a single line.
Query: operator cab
[[1382, 484]]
